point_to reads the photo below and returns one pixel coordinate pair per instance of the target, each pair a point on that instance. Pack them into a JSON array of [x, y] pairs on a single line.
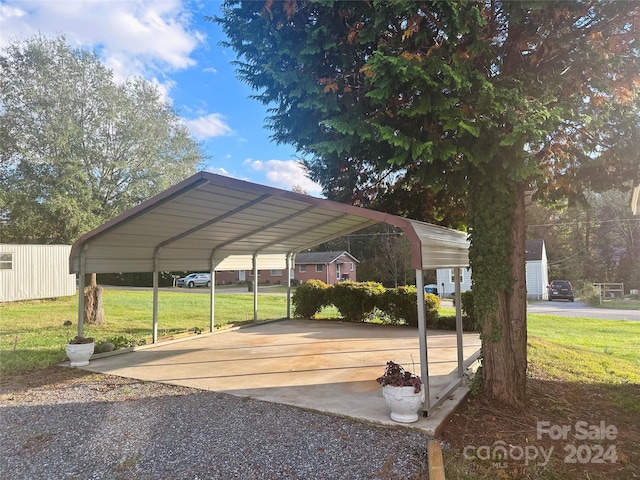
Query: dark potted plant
[[403, 392], [79, 349]]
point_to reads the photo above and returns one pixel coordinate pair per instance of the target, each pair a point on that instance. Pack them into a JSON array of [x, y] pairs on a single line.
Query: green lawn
[[585, 349], [32, 334]]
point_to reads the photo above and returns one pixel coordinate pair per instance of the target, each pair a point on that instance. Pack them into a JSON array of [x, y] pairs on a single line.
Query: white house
[[537, 270], [536, 267], [29, 272]]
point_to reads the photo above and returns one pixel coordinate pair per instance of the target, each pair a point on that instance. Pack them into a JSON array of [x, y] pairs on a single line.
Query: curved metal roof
[[209, 218]]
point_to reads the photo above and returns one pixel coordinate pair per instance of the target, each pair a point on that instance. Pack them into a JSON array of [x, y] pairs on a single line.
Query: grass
[[580, 369], [32, 334], [627, 303], [585, 349]]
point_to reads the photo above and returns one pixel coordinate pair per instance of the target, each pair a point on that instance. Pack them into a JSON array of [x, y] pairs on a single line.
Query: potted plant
[[79, 349], [403, 392]]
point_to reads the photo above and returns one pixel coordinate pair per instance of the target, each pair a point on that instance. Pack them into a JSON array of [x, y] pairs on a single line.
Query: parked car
[[195, 280], [561, 289]]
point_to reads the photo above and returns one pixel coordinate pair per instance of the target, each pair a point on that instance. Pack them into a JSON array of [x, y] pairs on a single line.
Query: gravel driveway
[[62, 423]]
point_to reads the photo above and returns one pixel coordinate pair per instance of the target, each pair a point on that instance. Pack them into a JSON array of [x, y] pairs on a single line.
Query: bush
[[309, 298], [355, 300], [449, 323], [431, 306], [589, 294], [468, 309], [400, 304]]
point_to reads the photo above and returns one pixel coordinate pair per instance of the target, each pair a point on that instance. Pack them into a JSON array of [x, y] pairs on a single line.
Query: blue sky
[[169, 43]]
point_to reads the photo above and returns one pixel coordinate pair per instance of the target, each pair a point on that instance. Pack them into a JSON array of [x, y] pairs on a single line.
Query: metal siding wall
[[39, 271], [534, 280]]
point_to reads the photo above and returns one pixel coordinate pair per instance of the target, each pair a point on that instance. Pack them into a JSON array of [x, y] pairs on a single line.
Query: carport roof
[[209, 218]]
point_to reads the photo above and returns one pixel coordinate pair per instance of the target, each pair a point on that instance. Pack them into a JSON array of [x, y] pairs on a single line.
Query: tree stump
[[93, 306]]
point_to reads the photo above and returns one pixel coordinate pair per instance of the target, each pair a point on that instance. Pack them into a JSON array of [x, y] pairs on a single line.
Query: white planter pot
[[404, 402], [80, 353]]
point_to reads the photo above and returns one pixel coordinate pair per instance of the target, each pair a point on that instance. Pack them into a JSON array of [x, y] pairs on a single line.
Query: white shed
[[537, 270], [536, 267], [29, 272]]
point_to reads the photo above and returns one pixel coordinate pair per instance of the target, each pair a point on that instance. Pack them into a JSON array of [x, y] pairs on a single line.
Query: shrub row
[[358, 300]]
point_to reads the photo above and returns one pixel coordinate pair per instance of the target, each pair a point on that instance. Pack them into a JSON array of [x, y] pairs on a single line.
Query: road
[[565, 308]]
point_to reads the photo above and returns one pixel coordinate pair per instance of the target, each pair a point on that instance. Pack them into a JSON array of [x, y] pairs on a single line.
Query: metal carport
[[211, 222]]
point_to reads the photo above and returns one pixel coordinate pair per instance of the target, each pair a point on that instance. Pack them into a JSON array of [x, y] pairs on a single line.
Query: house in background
[[29, 272], [536, 270], [329, 267]]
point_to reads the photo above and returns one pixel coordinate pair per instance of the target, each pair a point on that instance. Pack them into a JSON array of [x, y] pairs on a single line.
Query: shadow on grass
[[582, 423]]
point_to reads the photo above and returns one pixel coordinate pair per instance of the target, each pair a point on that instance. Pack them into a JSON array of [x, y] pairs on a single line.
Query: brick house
[[329, 267], [326, 266]]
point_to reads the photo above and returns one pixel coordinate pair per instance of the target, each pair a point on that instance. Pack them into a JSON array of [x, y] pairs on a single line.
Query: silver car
[[195, 280]]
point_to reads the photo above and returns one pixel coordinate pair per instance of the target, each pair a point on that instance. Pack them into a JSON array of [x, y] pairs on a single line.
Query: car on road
[[195, 280], [561, 289]]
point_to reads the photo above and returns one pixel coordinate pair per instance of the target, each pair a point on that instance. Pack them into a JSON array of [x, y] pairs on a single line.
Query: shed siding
[[446, 287], [37, 271], [536, 271], [538, 277]]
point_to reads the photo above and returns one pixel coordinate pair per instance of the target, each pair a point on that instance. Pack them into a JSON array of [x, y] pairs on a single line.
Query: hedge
[[309, 298], [358, 300], [355, 300], [400, 304]]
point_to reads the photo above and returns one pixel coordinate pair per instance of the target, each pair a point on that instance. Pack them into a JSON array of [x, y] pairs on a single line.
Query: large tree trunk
[[504, 368], [497, 217], [93, 307]]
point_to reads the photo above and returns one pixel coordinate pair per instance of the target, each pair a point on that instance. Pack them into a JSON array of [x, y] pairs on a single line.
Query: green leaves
[[76, 148]]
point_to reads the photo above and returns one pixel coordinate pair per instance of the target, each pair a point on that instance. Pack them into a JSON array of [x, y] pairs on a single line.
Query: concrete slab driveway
[[321, 365]]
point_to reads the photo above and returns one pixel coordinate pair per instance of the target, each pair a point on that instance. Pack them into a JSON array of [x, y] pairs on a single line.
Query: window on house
[[6, 261], [351, 266], [452, 275], [303, 268], [318, 267], [276, 273]]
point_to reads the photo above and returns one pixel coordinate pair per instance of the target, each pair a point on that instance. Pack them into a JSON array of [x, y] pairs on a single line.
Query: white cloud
[[211, 70], [226, 173], [212, 125], [285, 174], [219, 171], [142, 37]]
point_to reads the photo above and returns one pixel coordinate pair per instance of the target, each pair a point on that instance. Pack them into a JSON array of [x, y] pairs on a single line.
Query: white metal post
[[81, 284], [212, 293], [289, 259], [255, 288], [422, 333], [155, 297], [458, 299]]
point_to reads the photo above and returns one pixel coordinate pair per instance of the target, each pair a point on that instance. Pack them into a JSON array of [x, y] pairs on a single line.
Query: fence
[[610, 290]]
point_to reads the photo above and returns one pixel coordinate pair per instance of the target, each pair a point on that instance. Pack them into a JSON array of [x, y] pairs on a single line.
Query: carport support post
[[458, 297], [255, 288], [289, 258], [155, 297], [81, 282], [422, 333], [212, 296]]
